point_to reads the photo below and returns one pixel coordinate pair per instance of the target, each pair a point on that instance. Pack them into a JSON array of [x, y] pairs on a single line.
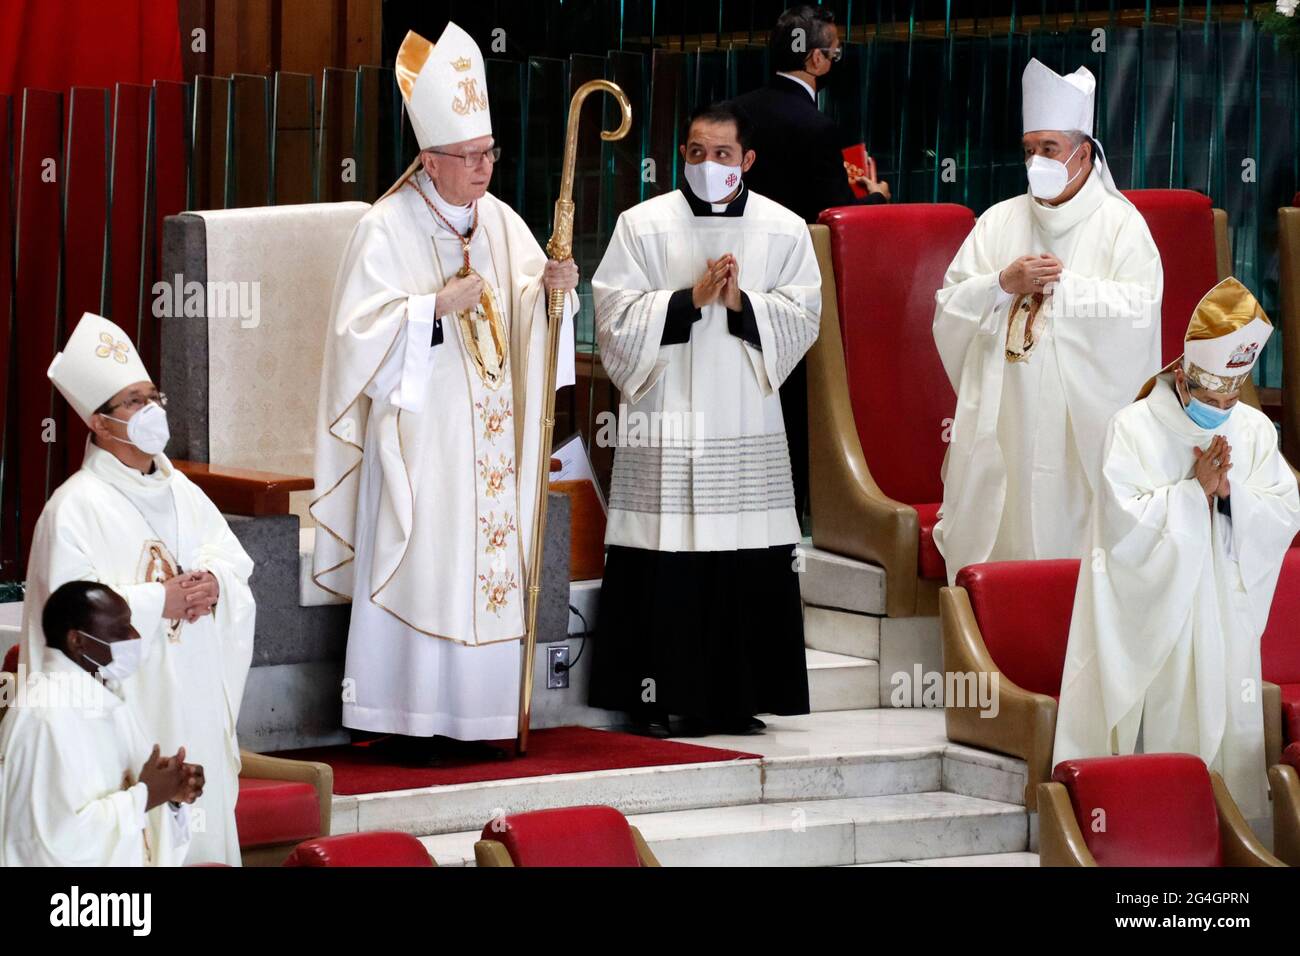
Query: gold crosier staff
[[559, 248]]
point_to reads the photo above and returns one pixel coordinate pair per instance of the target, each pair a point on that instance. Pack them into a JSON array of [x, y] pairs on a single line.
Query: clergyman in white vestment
[[428, 429], [706, 298], [1195, 510], [130, 520], [1048, 323], [80, 783]]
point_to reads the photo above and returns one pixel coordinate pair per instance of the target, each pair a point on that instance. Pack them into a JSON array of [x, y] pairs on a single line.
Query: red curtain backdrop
[[58, 44]]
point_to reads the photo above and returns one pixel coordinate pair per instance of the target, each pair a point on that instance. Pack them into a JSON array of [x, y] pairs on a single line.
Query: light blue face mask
[[1207, 416]]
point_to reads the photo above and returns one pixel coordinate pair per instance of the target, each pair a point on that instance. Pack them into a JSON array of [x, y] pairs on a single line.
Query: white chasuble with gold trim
[[109, 523], [427, 529]]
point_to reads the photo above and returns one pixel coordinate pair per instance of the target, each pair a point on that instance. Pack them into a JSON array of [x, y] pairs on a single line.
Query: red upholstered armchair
[[1280, 655], [1012, 619], [1192, 237], [1143, 810], [879, 402], [281, 803], [565, 836], [1284, 784], [377, 848]]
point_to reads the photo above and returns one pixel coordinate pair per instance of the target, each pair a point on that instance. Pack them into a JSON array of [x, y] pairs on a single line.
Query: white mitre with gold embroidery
[[97, 363], [444, 85], [1227, 332]]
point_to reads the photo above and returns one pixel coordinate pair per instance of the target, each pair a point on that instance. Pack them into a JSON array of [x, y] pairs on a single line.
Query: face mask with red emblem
[[712, 181]]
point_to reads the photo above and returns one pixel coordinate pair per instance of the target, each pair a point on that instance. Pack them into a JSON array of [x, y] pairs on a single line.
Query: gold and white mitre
[[444, 85], [97, 363], [1224, 338]]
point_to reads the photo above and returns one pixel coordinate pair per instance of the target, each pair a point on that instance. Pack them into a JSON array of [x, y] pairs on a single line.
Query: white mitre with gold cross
[[97, 363], [444, 85]]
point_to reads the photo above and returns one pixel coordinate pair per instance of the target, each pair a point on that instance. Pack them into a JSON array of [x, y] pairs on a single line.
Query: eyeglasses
[[832, 54], [139, 401], [473, 159]]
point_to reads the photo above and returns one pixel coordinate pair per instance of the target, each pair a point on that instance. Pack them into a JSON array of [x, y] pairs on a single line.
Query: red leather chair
[[875, 486], [566, 836], [1280, 651], [1012, 619], [281, 803], [1284, 784], [377, 848], [1192, 237], [1143, 810]]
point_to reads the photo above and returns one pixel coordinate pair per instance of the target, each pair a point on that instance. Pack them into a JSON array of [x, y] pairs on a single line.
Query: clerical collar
[[458, 216], [701, 208], [804, 83]]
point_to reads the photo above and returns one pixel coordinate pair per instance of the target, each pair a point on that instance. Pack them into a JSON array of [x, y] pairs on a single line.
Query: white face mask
[[123, 661], [146, 429], [712, 181], [1048, 178]]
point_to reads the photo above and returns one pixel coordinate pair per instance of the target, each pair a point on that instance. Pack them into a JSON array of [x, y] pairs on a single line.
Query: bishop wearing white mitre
[[428, 425], [1194, 512], [1048, 323], [130, 520]]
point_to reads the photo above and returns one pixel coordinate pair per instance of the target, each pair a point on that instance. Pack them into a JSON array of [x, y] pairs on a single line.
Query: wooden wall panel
[[126, 217], [248, 179], [8, 485], [208, 155], [85, 198], [39, 174], [295, 139]]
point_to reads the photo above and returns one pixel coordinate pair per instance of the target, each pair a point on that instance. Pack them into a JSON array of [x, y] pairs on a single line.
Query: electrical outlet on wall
[[557, 666]]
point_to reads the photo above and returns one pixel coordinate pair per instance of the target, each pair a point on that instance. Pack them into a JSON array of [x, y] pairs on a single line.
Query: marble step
[[467, 807], [841, 682], [1017, 858], [893, 827], [841, 632]]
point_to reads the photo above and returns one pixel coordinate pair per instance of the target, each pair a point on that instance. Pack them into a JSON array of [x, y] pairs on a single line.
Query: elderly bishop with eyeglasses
[[129, 520], [428, 426]]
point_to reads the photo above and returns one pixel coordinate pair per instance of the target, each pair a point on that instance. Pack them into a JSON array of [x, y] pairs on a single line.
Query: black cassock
[[712, 636]]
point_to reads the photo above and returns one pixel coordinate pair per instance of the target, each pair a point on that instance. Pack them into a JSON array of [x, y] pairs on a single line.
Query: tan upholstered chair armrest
[[851, 515], [1060, 841], [1025, 724], [1272, 702], [492, 853], [643, 851], [1284, 784], [319, 775], [1238, 842]]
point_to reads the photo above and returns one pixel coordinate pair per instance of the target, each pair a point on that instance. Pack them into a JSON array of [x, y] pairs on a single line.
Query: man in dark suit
[[799, 164]]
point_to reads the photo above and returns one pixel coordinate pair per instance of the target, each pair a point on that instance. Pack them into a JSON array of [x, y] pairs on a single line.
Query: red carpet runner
[[358, 769]]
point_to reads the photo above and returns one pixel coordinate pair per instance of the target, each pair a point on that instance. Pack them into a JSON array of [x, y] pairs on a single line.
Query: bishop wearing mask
[[1048, 323], [1195, 509]]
